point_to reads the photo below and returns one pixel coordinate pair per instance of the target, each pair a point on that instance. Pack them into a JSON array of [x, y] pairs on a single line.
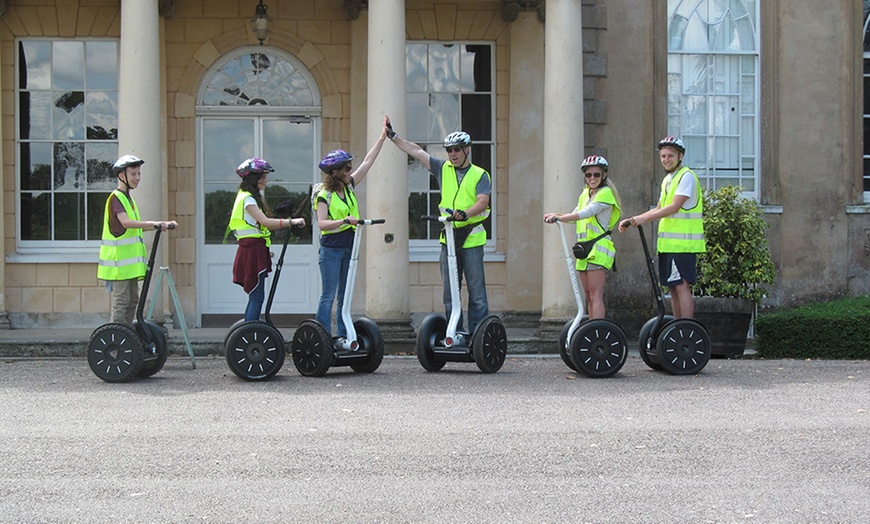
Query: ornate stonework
[[166, 7], [511, 8], [353, 7]]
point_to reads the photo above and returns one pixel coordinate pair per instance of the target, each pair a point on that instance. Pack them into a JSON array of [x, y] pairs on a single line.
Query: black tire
[[236, 324], [432, 329], [312, 349], [598, 348], [369, 338], [115, 352], [158, 336], [489, 344], [646, 343], [563, 343], [255, 351], [683, 346]]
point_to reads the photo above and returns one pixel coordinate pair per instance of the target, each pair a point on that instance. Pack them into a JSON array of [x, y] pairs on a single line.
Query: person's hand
[[625, 224], [551, 218], [350, 219], [388, 128], [460, 215], [298, 222], [170, 224]]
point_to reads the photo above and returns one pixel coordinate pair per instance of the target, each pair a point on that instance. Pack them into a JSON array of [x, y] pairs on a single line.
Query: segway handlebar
[[370, 221], [440, 218]]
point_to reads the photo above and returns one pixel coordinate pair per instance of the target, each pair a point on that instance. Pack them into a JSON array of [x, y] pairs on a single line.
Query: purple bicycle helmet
[[254, 165], [674, 142], [333, 159], [594, 160]]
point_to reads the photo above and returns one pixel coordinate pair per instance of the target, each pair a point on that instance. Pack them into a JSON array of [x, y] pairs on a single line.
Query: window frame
[[428, 250], [54, 250]]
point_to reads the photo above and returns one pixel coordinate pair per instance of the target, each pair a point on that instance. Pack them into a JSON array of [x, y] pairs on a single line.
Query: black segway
[[314, 350], [438, 340], [255, 350], [678, 346], [118, 352], [597, 348]]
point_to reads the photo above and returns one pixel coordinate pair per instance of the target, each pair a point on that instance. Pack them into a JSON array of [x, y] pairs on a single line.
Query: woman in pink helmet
[[252, 229]]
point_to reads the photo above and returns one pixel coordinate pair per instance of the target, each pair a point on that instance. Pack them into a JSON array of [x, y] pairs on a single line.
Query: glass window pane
[[34, 69], [476, 68], [477, 116], [444, 68], [69, 216], [726, 118], [68, 116], [35, 115], [100, 157], [416, 67], [96, 203], [69, 166], [35, 166], [418, 117], [697, 74], [102, 65], [35, 216], [68, 65], [444, 113], [227, 142], [219, 200], [481, 155], [101, 109]]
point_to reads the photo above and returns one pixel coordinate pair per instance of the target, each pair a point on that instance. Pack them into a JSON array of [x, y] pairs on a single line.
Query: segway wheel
[[235, 325], [683, 346], [158, 337], [489, 344], [370, 341], [563, 345], [255, 351], [598, 348], [647, 341], [312, 349], [115, 352], [432, 329]]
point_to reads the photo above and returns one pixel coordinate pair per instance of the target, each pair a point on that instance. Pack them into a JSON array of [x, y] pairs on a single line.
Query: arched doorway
[[255, 101]]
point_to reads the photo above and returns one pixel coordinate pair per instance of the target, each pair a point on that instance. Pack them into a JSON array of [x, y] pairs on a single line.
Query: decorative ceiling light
[[261, 22]]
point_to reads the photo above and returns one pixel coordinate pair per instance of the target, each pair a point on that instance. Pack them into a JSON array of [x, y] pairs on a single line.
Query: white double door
[[288, 144]]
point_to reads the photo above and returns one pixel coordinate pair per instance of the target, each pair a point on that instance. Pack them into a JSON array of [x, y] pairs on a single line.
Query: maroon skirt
[[252, 259]]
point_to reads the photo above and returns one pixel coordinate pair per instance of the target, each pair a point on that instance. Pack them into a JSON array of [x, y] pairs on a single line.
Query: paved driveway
[[745, 441]]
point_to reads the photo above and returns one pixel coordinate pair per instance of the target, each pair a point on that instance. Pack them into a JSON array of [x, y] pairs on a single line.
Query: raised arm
[[410, 148], [363, 169]]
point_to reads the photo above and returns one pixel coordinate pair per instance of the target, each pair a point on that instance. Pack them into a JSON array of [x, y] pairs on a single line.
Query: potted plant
[[735, 272]]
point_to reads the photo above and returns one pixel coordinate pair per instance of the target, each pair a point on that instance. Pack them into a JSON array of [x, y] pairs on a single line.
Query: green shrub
[[831, 330]]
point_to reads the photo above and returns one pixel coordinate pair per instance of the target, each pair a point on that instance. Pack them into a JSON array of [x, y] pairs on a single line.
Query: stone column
[[4, 316], [563, 149], [139, 107], [524, 164], [387, 267]]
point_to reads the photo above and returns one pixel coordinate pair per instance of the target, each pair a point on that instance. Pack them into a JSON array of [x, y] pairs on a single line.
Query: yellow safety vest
[[604, 252], [682, 232], [241, 228], [338, 209], [463, 196], [123, 257]]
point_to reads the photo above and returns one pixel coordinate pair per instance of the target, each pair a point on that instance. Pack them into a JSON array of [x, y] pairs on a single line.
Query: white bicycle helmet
[[457, 138], [672, 141], [594, 160], [126, 161]]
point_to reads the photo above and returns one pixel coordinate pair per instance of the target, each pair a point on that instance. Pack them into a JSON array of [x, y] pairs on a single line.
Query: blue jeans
[[469, 261], [334, 263], [255, 299]]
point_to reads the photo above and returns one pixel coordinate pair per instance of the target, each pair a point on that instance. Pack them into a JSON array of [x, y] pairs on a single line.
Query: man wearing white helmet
[[465, 189], [681, 230], [122, 251]]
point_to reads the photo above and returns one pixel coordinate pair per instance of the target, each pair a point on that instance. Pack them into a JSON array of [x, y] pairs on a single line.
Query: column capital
[[510, 9], [353, 7], [165, 8]]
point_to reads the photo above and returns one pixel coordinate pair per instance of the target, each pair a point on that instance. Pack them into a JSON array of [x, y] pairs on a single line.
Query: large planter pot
[[727, 322]]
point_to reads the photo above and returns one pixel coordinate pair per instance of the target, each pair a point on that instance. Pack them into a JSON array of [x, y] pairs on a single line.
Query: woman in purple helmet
[[252, 228], [337, 213]]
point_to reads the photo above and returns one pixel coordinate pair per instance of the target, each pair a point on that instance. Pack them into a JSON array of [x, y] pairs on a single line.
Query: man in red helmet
[[681, 230]]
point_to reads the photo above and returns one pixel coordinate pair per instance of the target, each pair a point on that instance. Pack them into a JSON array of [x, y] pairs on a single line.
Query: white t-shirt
[[249, 201], [687, 188]]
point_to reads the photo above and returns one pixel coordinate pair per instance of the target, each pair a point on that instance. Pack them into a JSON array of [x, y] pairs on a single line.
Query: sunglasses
[[453, 149], [593, 175], [348, 168]]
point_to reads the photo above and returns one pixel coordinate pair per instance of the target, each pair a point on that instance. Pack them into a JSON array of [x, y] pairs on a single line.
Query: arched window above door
[[253, 76]]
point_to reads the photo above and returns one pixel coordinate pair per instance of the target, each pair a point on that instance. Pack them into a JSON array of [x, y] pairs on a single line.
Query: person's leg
[[255, 299], [478, 305], [125, 295], [342, 284], [682, 300], [330, 268], [593, 283]]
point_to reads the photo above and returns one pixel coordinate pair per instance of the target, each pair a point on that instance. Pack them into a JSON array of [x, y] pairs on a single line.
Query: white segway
[[678, 346], [118, 352], [314, 350], [438, 340], [597, 348]]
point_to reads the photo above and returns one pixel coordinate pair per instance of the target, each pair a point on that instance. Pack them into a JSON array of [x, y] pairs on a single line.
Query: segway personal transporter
[[596, 348], [678, 346], [118, 352], [438, 340], [314, 350], [255, 350]]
